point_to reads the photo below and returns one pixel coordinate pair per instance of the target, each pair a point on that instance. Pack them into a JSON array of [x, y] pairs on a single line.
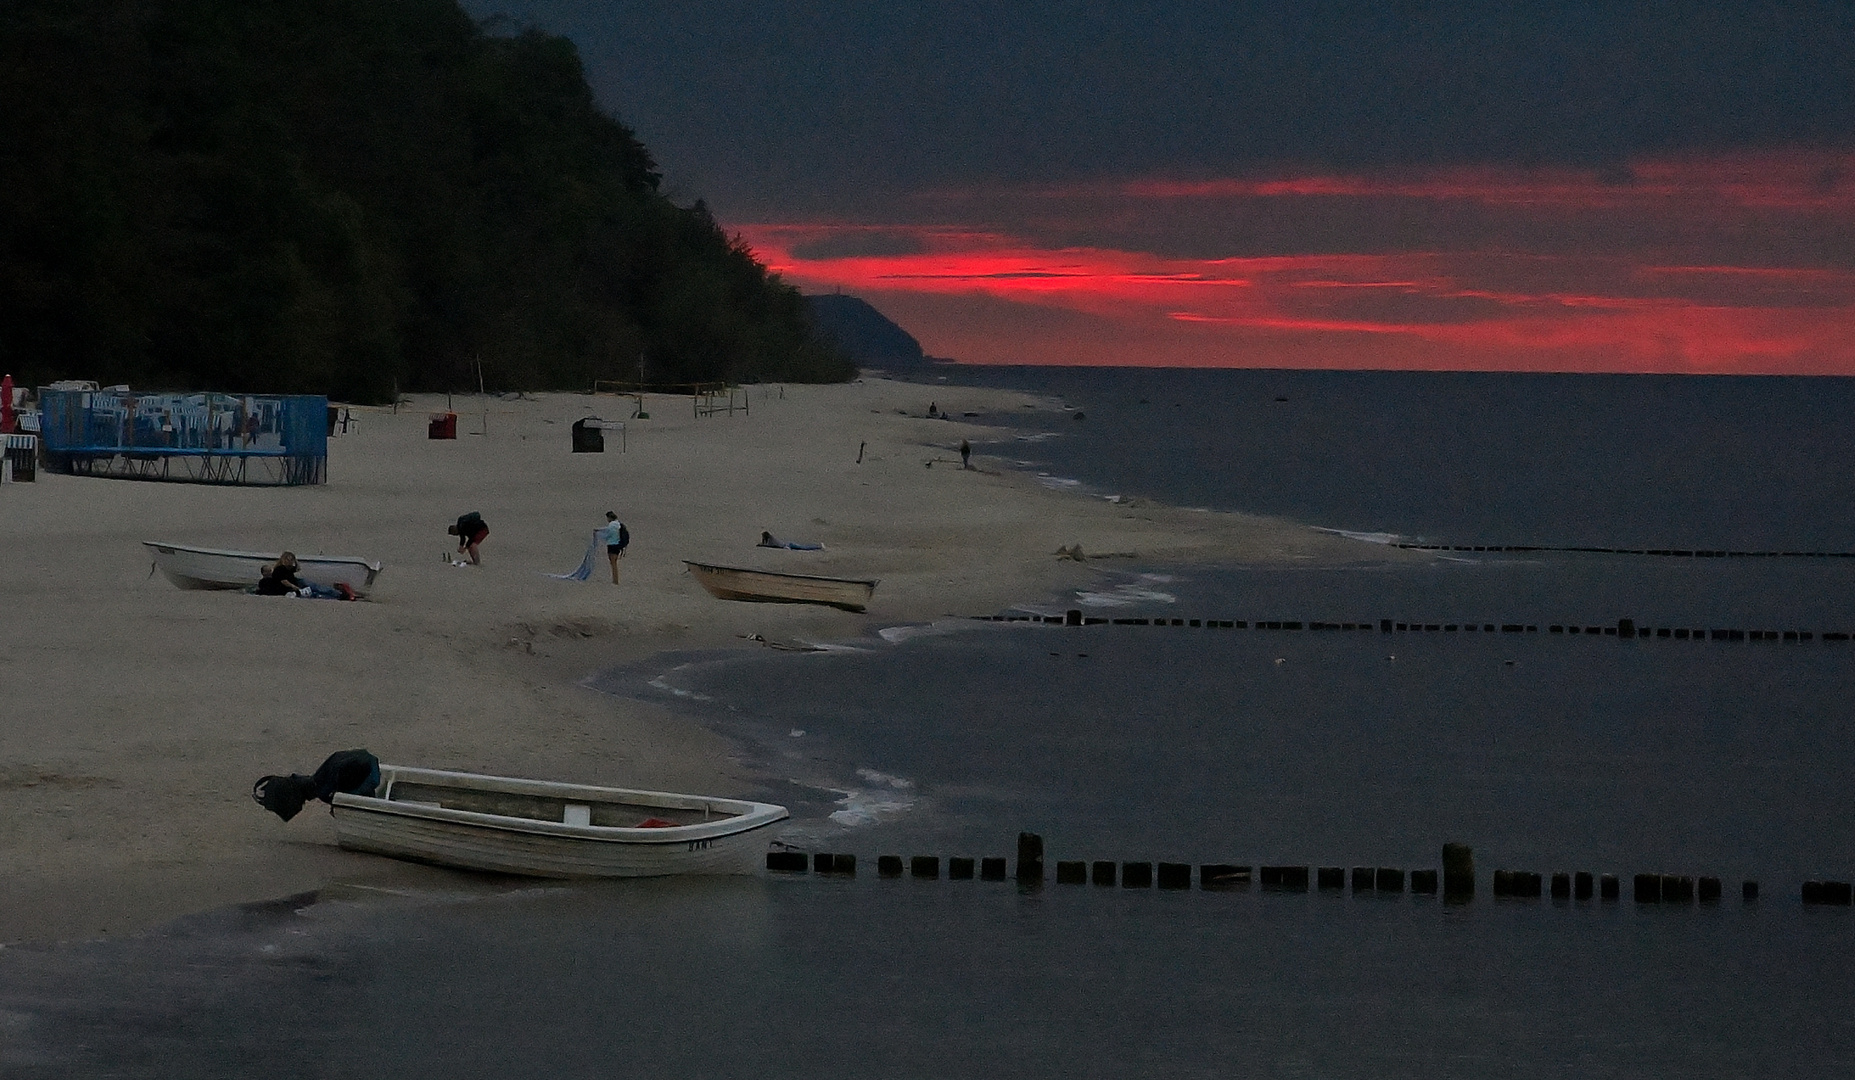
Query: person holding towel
[[617, 539]]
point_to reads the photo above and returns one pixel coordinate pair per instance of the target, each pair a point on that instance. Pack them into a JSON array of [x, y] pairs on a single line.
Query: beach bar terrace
[[199, 438]]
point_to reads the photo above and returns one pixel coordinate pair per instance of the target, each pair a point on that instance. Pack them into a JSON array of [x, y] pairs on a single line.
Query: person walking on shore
[[470, 532], [966, 454], [617, 539]]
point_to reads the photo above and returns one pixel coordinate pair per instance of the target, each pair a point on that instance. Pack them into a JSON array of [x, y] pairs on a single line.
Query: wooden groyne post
[[1030, 859], [1458, 873]]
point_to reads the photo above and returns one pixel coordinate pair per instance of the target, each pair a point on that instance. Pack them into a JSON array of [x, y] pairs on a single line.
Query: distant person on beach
[[281, 579], [767, 539], [617, 539], [470, 532], [966, 454], [248, 422]]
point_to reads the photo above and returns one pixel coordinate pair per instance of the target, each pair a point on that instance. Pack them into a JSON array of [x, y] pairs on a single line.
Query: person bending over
[[470, 532]]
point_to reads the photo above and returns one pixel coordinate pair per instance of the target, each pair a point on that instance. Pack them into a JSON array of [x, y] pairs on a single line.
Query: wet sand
[[137, 715]]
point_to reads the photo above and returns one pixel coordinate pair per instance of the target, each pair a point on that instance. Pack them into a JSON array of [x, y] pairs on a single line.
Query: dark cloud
[[861, 242], [763, 104]]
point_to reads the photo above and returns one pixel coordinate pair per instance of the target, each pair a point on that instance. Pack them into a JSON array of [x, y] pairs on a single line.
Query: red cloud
[[1581, 272]]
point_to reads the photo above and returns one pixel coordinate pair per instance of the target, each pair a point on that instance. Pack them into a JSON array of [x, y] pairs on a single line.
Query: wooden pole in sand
[[482, 397]]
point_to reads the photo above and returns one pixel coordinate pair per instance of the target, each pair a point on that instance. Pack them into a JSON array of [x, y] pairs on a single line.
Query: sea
[[1233, 714]]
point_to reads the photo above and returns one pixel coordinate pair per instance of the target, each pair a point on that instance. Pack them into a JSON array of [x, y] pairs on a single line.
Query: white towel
[[586, 564]]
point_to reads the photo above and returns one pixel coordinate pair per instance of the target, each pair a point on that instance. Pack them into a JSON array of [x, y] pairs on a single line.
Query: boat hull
[[766, 587], [210, 568], [734, 843]]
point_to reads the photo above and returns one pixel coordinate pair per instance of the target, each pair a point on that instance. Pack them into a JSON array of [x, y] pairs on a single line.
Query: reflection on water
[[1634, 461], [803, 977], [1224, 745]]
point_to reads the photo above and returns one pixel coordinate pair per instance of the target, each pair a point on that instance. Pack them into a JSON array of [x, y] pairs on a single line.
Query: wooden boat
[[765, 586], [210, 568], [538, 828]]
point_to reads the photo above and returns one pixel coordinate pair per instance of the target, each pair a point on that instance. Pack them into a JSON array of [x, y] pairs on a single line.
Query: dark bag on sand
[[351, 772]]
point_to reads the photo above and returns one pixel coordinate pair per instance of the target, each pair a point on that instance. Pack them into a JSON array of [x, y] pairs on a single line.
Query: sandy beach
[[137, 715]]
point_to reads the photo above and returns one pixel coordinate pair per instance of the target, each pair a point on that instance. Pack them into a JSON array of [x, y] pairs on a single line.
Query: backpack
[[624, 536]]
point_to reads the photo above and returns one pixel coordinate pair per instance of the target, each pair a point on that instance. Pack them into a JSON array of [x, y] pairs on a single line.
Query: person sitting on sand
[[470, 532], [767, 539], [617, 539], [281, 579]]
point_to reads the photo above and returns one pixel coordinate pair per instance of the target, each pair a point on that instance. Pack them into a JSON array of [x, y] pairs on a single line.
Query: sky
[[1640, 187]]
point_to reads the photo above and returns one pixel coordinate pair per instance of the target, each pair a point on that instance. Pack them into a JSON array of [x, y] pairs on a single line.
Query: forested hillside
[[864, 334], [345, 196]]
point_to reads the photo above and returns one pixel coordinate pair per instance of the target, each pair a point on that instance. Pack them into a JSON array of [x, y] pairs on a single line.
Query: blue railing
[[204, 438]]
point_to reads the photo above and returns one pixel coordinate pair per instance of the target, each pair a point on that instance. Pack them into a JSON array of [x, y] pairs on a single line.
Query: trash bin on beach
[[444, 426], [589, 436]]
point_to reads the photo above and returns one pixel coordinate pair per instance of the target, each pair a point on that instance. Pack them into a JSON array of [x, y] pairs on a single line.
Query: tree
[[342, 196]]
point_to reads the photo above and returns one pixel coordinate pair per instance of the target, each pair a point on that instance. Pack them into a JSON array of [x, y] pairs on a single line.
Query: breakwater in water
[[1456, 881], [1625, 629], [1578, 549]]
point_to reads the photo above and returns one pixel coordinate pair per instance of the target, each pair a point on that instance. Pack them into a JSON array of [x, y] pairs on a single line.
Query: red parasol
[[6, 404]]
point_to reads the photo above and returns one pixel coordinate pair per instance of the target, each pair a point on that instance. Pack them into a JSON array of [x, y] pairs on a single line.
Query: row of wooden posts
[[1622, 628], [1456, 881], [1678, 553]]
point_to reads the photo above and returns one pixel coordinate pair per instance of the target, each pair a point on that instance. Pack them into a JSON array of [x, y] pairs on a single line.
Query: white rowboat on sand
[[211, 568], [765, 586], [538, 828]]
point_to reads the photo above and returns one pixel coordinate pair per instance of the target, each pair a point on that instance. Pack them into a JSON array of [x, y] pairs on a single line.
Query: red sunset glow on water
[[1733, 264]]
